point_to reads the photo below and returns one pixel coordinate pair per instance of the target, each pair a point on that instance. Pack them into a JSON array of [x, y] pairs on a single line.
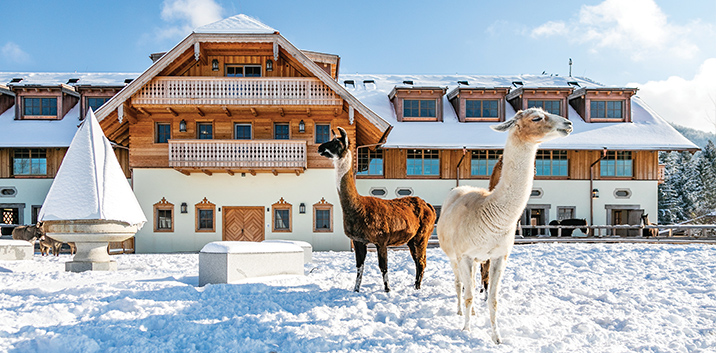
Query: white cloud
[[638, 27], [187, 15], [12, 53], [687, 102]]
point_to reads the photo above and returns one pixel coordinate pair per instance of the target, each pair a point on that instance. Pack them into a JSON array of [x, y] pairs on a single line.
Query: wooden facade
[[645, 165]]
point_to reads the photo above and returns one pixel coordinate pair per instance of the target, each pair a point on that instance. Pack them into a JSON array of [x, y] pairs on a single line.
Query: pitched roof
[[647, 131], [239, 24]]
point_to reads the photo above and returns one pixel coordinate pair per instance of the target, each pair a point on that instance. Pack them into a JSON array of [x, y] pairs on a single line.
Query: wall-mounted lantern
[[182, 126], [269, 65], [215, 65], [595, 193], [183, 207], [302, 208], [301, 126]]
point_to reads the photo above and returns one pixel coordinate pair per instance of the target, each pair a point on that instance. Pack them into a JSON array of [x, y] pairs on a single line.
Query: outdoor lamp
[[269, 65], [182, 126], [301, 126], [302, 208], [183, 207], [595, 193], [215, 65]]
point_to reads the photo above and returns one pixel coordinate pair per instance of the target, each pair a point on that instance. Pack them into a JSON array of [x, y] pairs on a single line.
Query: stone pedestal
[[16, 249], [306, 246], [91, 238]]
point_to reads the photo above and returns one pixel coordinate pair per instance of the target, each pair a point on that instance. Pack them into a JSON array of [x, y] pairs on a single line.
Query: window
[[95, 102], [551, 163], [565, 212], [404, 192], [481, 109], [243, 70], [323, 133], [606, 110], [281, 216], [163, 132], [423, 162], [483, 161], [204, 131], [29, 161], [40, 106], [413, 108], [205, 220], [242, 131], [370, 162], [616, 164], [550, 106], [163, 216], [35, 213], [322, 216], [378, 192], [280, 132], [10, 215]]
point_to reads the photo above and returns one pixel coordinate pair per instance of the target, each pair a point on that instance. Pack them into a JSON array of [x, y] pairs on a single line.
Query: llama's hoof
[[417, 285], [496, 338], [466, 328], [459, 312], [387, 290]]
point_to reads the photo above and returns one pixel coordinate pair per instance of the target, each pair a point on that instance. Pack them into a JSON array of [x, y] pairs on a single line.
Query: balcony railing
[[236, 91], [238, 154]]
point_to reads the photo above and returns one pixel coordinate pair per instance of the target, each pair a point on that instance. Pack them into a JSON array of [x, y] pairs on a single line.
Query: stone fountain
[[90, 201]]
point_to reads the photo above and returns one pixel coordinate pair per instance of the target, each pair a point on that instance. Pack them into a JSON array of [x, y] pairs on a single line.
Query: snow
[[38, 133], [55, 79], [647, 131], [239, 24], [90, 184], [249, 247], [553, 298]]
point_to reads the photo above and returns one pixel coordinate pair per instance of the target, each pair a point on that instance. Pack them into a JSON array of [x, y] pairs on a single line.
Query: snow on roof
[[239, 24], [647, 131], [57, 78], [90, 184], [38, 133]]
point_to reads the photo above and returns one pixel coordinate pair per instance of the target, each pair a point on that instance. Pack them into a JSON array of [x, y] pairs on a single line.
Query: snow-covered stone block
[[231, 261], [306, 246], [16, 249]]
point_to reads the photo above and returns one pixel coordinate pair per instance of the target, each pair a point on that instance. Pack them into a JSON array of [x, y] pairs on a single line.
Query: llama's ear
[[503, 126], [344, 136]]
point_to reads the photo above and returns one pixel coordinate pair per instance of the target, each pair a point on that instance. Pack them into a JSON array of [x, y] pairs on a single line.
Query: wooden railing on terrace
[[236, 91], [225, 154]]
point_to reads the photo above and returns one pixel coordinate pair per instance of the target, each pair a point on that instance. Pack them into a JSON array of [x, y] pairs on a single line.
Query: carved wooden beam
[[231, 172], [308, 111], [198, 110], [226, 111], [274, 171], [254, 112], [336, 111], [172, 111], [206, 171], [280, 111], [253, 172], [144, 111], [185, 172], [298, 172]]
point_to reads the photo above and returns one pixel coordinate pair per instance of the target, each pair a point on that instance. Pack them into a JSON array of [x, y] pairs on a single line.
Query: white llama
[[479, 225]]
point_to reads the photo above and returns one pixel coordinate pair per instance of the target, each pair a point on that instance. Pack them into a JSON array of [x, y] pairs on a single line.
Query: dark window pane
[[164, 219], [280, 132], [163, 133], [323, 219], [205, 131], [95, 103], [252, 71], [323, 133], [206, 219], [243, 131], [281, 219]]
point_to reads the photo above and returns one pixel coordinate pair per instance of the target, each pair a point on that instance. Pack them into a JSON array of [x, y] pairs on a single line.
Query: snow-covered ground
[[554, 298]]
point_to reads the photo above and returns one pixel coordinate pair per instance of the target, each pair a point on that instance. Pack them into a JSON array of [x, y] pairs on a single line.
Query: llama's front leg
[[383, 264], [497, 268], [361, 251], [458, 285], [417, 251], [465, 267]]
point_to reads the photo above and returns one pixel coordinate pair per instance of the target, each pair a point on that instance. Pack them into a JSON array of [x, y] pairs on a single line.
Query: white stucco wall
[[30, 192], [263, 189]]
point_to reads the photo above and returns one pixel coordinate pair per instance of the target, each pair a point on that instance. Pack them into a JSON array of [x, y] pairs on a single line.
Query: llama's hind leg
[[458, 285], [383, 264], [418, 247], [497, 268], [361, 250], [467, 277]]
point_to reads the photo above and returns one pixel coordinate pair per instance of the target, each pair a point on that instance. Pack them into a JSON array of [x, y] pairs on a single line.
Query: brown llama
[[384, 223]]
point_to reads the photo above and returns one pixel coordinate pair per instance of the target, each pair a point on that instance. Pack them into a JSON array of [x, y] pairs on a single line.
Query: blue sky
[[666, 49]]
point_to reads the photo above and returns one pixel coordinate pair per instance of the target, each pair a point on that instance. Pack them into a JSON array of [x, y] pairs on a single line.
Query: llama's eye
[[537, 118]]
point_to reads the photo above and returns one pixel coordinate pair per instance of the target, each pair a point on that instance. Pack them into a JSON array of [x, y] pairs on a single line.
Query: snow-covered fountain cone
[[90, 201]]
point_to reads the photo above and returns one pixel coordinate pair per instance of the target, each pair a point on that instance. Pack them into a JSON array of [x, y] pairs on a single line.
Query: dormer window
[[423, 108], [609, 110], [478, 103], [417, 103], [487, 108], [551, 99], [550, 106], [603, 105], [40, 107], [96, 102]]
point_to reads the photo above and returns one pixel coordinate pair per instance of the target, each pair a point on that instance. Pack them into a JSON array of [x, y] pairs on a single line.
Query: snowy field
[[554, 298]]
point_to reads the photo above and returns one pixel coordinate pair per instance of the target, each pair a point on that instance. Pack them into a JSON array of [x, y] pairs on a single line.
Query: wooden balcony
[[236, 91], [242, 156]]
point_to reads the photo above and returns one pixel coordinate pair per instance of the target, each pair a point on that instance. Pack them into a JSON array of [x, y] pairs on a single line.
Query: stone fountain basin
[[91, 238]]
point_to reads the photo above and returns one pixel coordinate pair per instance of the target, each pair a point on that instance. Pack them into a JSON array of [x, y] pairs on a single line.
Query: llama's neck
[[345, 181], [513, 191]]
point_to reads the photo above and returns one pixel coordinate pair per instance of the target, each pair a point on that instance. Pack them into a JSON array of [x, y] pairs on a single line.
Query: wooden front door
[[243, 223]]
